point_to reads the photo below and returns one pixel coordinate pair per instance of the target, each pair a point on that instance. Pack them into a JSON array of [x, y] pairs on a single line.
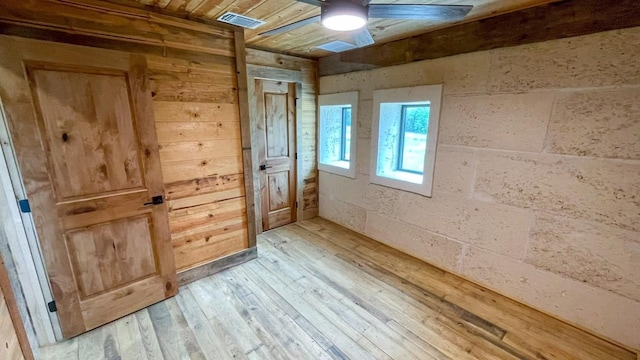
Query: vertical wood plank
[[13, 315], [149, 141], [245, 133]]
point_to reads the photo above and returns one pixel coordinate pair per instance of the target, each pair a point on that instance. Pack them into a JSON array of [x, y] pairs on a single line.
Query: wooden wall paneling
[[547, 22], [263, 63], [193, 81], [14, 344]]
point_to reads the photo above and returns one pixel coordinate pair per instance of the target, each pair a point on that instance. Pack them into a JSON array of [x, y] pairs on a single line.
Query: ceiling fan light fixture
[[344, 16]]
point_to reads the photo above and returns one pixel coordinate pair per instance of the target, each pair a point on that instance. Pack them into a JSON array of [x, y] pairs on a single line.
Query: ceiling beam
[[547, 22]]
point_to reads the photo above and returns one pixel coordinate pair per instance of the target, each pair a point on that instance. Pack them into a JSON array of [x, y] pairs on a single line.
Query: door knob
[[156, 200], [265, 167]]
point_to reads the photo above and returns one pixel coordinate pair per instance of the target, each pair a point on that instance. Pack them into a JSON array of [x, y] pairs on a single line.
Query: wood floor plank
[[218, 308], [167, 332], [100, 343], [67, 349], [329, 329], [148, 336], [374, 329], [208, 337], [129, 338], [256, 286], [297, 343], [320, 291], [445, 329]]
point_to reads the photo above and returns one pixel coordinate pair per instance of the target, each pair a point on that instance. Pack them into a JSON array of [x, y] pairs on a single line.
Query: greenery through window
[[413, 138], [345, 146]]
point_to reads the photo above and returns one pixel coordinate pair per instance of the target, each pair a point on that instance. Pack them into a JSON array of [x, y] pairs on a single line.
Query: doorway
[[275, 105]]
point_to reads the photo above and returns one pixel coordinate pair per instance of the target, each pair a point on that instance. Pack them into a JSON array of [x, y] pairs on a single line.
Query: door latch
[[156, 200], [265, 167]]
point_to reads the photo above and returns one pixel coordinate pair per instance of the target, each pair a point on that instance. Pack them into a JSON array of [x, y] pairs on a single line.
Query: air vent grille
[[240, 20], [336, 46]]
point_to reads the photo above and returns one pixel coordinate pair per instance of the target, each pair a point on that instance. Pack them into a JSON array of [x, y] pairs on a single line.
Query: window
[[337, 136], [405, 132]]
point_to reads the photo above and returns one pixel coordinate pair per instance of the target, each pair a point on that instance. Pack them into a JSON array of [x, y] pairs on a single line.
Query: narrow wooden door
[[276, 109], [83, 129]]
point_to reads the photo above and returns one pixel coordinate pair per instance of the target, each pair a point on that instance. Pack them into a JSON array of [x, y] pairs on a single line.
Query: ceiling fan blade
[[292, 26], [419, 12], [362, 37], [313, 2]]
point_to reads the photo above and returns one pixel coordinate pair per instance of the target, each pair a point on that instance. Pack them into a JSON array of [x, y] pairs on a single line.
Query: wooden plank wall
[[309, 70], [14, 344], [193, 80]]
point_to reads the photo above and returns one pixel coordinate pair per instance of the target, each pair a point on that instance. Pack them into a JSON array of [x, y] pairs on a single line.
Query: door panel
[[89, 157], [276, 151], [88, 122], [277, 126]]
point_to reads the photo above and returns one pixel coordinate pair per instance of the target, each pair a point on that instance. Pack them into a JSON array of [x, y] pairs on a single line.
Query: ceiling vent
[[336, 46], [240, 20]]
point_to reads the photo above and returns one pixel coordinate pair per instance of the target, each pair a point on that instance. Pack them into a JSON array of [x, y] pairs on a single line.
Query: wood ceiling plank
[[296, 12]]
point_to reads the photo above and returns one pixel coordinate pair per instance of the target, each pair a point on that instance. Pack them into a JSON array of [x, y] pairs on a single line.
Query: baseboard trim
[[190, 275]]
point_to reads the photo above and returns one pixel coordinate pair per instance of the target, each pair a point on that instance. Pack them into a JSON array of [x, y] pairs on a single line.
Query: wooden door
[[276, 110], [84, 134]]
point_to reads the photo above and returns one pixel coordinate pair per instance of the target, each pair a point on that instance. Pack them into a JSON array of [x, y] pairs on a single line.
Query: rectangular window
[[336, 137], [404, 136]]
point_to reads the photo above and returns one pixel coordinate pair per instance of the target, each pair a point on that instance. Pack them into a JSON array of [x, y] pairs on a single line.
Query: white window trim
[[431, 93], [347, 98]]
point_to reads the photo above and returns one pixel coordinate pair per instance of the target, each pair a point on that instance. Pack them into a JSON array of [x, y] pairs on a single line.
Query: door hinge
[[296, 102], [24, 206], [296, 204], [52, 306], [296, 156]]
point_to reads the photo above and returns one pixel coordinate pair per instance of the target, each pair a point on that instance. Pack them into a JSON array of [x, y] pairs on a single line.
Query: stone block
[[425, 245], [499, 228], [364, 157], [360, 193], [596, 123], [601, 190], [603, 59], [365, 118], [509, 122], [602, 311], [454, 170], [342, 213], [460, 74], [593, 253]]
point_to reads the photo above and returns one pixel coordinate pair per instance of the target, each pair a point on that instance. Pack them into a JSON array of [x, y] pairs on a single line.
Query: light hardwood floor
[[320, 291]]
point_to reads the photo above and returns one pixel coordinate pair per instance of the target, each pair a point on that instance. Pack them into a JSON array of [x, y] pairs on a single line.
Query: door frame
[[24, 248], [259, 72]]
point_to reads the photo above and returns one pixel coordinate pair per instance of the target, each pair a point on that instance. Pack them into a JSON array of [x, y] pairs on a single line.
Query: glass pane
[[331, 135], [346, 149], [414, 142]]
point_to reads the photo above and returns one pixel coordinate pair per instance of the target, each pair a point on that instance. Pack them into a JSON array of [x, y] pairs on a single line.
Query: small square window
[[405, 133], [337, 138]]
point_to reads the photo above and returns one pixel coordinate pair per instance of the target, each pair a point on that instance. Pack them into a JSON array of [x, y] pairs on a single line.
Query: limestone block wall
[[537, 178]]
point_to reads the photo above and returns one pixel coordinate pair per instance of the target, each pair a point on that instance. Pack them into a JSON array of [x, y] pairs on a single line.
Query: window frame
[[406, 180], [337, 99]]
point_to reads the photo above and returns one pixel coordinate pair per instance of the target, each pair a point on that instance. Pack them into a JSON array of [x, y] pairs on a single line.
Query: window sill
[[339, 167], [403, 176]]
